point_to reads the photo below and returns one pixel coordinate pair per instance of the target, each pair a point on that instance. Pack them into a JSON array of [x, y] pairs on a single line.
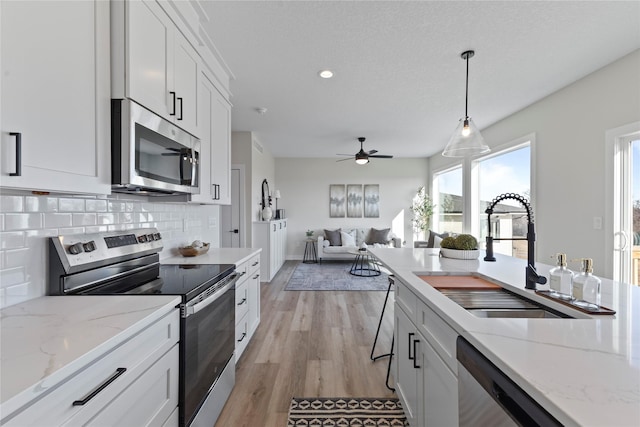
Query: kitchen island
[[583, 371]]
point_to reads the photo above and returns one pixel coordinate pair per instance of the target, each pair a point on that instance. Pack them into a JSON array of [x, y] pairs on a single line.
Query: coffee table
[[364, 264]]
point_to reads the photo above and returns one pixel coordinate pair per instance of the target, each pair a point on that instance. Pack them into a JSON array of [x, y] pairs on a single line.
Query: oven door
[[208, 338]]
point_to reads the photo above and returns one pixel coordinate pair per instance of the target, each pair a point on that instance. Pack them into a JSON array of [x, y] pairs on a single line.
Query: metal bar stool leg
[[389, 365], [386, 298]]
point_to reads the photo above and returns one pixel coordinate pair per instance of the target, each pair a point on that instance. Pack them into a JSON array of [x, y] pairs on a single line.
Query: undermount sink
[[533, 313], [499, 303]]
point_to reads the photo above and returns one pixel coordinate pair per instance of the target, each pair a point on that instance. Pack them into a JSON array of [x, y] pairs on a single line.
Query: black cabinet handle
[[256, 276], [101, 387], [18, 136], [415, 354], [244, 334], [173, 94], [243, 301], [255, 263], [180, 117], [411, 334]]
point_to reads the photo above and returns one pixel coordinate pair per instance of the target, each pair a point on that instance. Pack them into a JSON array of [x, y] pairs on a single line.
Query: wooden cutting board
[[459, 282]]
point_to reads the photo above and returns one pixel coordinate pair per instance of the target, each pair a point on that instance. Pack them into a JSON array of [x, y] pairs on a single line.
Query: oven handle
[[193, 309], [115, 276]]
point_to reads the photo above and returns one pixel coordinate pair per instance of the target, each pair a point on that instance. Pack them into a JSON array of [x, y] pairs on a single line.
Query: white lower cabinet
[[247, 302], [271, 236], [133, 384], [426, 384]]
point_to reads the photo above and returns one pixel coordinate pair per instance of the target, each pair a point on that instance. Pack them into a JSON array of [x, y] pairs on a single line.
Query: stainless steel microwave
[[150, 155]]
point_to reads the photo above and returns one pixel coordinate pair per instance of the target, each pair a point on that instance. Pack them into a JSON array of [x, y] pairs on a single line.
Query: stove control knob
[[89, 246], [150, 238], [158, 236], [142, 238], [75, 249]]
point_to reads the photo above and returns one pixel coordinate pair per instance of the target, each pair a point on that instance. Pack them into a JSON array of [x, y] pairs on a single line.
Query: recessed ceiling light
[[326, 74]]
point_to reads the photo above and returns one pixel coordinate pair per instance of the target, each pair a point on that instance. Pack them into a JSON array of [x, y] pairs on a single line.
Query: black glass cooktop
[[187, 280]]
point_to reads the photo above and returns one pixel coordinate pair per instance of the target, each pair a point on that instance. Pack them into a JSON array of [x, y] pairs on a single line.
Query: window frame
[[435, 192]]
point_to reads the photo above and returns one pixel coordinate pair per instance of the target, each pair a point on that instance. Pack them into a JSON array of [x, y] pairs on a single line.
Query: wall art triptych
[[354, 200]]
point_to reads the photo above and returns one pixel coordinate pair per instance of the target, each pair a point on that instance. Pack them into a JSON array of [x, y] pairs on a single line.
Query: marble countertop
[[46, 339], [216, 256], [584, 371]]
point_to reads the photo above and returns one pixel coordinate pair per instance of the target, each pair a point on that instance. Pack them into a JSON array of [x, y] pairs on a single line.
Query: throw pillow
[[326, 243], [347, 239], [432, 236], [333, 236], [378, 236]]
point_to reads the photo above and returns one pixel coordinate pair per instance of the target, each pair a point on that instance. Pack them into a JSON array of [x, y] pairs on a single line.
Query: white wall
[[570, 127], [304, 186], [26, 222]]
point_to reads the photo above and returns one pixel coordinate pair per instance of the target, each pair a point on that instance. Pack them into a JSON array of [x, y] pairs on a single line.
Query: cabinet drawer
[[253, 264], [242, 336], [149, 401], [441, 336], [242, 300], [405, 299], [134, 356]]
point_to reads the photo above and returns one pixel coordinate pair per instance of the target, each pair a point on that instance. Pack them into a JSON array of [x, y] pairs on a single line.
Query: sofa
[[336, 244]]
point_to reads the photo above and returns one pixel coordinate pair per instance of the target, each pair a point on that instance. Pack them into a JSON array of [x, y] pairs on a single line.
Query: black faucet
[[531, 275]]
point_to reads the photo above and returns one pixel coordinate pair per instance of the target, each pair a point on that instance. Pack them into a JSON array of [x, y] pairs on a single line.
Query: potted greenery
[[422, 209], [309, 234], [462, 246]]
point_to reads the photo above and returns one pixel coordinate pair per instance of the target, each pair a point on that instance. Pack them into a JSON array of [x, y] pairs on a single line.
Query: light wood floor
[[308, 344]]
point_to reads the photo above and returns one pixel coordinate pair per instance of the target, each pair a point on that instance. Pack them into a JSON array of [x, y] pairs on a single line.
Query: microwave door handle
[[194, 167], [184, 157]]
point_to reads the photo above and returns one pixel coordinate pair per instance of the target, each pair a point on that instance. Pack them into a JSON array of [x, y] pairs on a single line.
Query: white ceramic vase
[[267, 213]]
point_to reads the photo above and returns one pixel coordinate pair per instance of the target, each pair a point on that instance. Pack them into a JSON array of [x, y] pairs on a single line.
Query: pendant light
[[466, 140]]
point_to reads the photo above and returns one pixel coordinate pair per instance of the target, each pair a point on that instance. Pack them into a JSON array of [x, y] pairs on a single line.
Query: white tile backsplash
[[27, 221]]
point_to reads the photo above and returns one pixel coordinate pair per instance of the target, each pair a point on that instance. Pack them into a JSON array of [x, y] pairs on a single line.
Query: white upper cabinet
[[55, 96], [153, 63], [215, 150], [221, 148]]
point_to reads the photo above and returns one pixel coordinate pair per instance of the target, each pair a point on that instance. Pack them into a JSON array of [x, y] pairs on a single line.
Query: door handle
[[243, 301], [415, 354], [18, 171], [180, 100], [173, 95], [244, 334], [411, 334], [101, 387], [235, 230]]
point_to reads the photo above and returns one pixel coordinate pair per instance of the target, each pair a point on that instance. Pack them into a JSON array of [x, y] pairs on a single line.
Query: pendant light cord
[[466, 93]]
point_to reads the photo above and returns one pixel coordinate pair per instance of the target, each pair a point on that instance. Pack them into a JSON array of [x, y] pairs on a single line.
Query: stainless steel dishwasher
[[487, 397]]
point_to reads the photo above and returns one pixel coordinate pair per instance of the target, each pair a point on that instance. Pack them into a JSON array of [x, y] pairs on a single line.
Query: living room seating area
[[336, 244]]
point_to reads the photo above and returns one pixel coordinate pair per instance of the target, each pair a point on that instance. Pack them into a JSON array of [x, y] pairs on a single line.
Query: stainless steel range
[[127, 262]]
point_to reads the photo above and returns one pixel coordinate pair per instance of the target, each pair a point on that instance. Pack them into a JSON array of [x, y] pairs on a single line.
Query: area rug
[[333, 276], [345, 412]]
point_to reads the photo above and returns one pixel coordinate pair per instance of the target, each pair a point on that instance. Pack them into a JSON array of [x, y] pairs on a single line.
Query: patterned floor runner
[[346, 412]]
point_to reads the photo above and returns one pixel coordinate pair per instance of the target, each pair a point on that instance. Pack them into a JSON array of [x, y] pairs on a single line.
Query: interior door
[[231, 215]]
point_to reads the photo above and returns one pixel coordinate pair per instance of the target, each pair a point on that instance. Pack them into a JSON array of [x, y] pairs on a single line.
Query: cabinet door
[[439, 391], [185, 83], [407, 374], [150, 57], [205, 98], [221, 148], [55, 93], [273, 250], [253, 296]]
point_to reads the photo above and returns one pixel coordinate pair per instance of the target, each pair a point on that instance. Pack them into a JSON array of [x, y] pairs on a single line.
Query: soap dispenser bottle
[[586, 286], [561, 279]]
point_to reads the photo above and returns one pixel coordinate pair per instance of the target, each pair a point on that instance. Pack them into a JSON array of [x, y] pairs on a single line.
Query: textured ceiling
[[399, 79]]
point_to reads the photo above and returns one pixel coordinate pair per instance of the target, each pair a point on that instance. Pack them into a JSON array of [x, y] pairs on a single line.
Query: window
[[447, 188], [507, 171]]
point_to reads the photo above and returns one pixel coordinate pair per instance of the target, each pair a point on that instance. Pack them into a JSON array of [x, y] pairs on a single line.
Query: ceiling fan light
[[362, 160], [466, 141]]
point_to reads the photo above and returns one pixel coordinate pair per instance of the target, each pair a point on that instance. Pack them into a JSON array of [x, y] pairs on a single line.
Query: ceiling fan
[[362, 157]]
